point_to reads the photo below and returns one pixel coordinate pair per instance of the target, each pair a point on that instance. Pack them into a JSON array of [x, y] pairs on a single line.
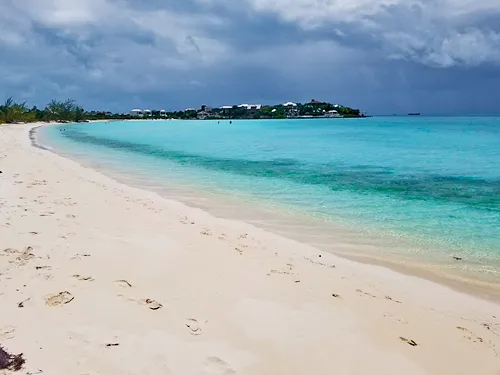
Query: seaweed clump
[[10, 361]]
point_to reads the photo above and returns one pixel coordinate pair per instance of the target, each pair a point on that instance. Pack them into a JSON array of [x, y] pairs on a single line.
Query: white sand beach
[[97, 277]]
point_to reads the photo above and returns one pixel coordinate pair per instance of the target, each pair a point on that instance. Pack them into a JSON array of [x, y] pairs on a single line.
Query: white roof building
[[136, 112], [250, 106], [289, 104], [332, 113]]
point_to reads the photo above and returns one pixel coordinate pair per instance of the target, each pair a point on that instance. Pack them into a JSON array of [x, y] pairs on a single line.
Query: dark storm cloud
[[383, 56]]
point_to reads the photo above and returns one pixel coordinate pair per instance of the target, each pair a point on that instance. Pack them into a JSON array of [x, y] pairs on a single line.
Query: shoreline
[[459, 280], [121, 280]]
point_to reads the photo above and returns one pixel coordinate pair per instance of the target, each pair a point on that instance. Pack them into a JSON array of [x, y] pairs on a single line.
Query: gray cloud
[[381, 55], [434, 32]]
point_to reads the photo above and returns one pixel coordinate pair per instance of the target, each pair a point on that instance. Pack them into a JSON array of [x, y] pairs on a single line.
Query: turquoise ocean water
[[428, 186]]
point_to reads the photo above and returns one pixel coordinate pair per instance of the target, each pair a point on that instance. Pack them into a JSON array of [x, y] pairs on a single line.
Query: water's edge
[[348, 245]]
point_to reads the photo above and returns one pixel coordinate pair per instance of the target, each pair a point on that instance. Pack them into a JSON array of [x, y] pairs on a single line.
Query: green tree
[[66, 111], [11, 112]]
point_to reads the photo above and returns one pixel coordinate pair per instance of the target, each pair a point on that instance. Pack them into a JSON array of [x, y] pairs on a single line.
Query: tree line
[[12, 111], [69, 111]]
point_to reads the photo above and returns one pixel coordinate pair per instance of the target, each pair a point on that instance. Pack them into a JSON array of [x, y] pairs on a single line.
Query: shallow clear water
[[432, 182]]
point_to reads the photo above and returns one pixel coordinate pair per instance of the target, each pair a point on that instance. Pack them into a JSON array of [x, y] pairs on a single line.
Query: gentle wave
[[475, 192]]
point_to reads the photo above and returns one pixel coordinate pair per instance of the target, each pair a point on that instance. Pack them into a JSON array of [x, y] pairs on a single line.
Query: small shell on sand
[[59, 299]]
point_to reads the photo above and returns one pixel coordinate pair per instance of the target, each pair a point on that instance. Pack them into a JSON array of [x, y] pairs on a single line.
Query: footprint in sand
[[148, 302], [392, 299], [23, 257], [80, 256], [83, 278], [319, 263], [469, 335], [123, 283], [27, 254], [151, 303], [216, 366], [7, 333], [365, 293], [194, 327], [59, 299]]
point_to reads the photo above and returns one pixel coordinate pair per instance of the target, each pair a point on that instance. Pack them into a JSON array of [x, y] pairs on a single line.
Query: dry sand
[[100, 278]]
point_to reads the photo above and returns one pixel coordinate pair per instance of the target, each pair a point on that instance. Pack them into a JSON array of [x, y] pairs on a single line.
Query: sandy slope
[[203, 295]]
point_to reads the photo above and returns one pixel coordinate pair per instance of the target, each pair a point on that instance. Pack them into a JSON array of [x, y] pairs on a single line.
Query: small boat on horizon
[[414, 114]]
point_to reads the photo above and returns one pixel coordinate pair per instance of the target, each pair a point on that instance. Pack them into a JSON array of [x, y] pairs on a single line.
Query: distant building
[[137, 113], [332, 113], [225, 111], [147, 113], [252, 109], [163, 113], [291, 109], [250, 106], [202, 115], [205, 112]]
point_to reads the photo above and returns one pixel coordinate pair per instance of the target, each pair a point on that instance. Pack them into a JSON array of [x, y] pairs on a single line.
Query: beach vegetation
[[68, 110], [12, 111]]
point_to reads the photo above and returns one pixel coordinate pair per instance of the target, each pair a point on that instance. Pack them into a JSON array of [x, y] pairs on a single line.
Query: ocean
[[416, 191]]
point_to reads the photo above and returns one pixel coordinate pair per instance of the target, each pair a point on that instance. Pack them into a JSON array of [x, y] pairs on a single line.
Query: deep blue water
[[433, 182]]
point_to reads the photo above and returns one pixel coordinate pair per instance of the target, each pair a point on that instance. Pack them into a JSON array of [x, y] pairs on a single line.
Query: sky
[[381, 56]]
